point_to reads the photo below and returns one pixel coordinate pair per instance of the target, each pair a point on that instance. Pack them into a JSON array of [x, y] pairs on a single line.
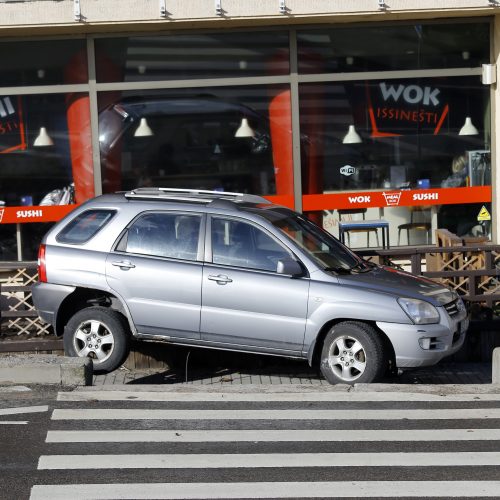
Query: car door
[[245, 301], [156, 269]]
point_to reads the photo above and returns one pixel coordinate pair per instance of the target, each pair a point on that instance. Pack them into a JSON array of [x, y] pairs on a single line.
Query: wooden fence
[[472, 270]]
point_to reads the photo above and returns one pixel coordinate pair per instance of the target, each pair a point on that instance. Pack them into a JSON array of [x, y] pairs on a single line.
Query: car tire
[[353, 352], [99, 333]]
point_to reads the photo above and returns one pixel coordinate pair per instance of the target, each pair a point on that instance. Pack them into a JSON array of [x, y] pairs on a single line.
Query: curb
[[429, 390], [45, 369]]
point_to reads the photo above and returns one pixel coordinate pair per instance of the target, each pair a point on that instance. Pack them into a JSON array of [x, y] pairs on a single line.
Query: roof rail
[[193, 195]]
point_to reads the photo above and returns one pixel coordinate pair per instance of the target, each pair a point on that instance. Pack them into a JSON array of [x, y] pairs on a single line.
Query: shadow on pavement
[[201, 367]]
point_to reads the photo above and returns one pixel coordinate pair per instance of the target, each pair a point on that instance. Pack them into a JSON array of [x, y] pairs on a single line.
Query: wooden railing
[[473, 271], [18, 315]]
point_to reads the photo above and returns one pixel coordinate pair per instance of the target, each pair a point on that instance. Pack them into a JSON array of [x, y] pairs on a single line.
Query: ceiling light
[[468, 128], [143, 130], [244, 130], [43, 138], [352, 137]]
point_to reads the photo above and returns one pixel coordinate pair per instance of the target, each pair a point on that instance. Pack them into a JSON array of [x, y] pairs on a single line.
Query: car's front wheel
[[353, 352], [98, 333]]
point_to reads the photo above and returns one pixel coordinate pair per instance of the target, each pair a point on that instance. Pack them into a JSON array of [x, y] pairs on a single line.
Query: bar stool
[[362, 226]]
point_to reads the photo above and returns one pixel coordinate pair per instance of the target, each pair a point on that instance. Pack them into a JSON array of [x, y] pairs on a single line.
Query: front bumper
[[425, 345]]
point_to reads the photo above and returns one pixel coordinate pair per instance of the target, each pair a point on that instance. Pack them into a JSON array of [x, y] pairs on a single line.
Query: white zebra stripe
[[23, 409], [266, 435], [257, 460], [389, 414], [208, 491]]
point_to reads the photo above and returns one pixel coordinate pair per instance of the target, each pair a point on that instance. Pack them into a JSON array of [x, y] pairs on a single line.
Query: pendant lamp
[[143, 130], [43, 138], [352, 137], [244, 130], [468, 128]]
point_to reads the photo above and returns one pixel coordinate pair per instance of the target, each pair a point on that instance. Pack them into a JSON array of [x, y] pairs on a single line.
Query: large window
[[394, 134], [382, 47], [43, 62], [182, 57], [228, 138], [388, 118], [394, 143]]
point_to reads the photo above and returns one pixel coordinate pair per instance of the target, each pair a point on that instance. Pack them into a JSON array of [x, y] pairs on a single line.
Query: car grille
[[452, 308]]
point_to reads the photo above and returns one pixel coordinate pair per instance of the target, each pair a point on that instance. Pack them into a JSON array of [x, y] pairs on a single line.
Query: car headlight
[[419, 311], [460, 305]]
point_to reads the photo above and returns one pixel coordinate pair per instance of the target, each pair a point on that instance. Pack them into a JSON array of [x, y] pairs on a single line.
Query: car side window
[[86, 225], [165, 235], [236, 243]]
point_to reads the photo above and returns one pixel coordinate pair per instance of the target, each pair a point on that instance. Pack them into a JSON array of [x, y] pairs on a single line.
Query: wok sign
[[396, 108], [12, 130]]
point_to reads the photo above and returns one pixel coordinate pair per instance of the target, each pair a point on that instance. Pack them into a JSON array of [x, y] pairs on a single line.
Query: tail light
[[42, 269]]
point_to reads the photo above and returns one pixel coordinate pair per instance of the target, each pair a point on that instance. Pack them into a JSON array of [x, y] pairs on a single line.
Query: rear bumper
[[47, 299]]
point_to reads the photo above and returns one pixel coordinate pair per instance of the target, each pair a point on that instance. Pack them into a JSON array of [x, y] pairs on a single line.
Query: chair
[[416, 225], [367, 230]]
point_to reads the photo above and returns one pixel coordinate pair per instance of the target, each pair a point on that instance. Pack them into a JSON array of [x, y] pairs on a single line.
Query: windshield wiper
[[363, 266], [338, 270]]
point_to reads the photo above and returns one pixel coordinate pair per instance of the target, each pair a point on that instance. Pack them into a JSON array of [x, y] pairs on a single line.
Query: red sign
[[397, 197], [13, 215], [396, 108]]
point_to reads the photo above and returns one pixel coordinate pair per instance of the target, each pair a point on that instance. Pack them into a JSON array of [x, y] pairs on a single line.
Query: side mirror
[[289, 266]]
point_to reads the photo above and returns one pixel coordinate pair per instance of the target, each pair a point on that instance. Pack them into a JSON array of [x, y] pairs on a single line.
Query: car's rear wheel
[[353, 352], [98, 333]]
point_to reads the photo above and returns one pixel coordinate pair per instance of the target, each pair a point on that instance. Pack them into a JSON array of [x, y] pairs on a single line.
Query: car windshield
[[320, 245]]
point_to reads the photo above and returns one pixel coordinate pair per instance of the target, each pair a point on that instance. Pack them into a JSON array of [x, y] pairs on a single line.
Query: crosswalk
[[317, 443]]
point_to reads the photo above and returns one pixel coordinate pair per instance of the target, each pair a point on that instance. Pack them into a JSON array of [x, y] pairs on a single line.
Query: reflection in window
[[243, 245], [85, 226], [45, 149], [200, 55], [227, 139], [43, 62], [390, 48], [410, 134], [165, 235]]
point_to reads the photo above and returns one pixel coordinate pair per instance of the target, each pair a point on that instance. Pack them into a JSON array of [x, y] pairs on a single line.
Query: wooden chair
[[424, 224]]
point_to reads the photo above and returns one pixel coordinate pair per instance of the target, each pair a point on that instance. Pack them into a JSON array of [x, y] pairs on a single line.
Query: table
[[346, 226]]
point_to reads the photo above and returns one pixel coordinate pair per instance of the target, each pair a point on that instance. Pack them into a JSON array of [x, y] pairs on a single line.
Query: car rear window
[[85, 226]]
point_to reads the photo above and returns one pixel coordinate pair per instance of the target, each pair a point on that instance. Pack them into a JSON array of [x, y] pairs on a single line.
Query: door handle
[[221, 279], [123, 264]]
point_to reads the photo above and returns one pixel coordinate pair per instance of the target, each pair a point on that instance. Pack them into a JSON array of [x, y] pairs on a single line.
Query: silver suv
[[233, 271]]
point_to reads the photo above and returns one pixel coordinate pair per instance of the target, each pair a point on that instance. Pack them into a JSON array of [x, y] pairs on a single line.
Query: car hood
[[399, 283]]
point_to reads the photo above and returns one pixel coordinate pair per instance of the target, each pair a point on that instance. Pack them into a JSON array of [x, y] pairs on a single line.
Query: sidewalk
[[289, 372]]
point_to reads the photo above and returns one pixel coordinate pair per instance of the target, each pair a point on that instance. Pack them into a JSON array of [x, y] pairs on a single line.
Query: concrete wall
[[57, 16]]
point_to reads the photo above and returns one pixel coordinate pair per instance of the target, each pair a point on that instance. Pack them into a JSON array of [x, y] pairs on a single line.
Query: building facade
[[335, 108]]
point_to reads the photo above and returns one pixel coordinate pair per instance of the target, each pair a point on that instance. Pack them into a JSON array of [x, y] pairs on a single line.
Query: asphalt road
[[24, 419], [145, 442]]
